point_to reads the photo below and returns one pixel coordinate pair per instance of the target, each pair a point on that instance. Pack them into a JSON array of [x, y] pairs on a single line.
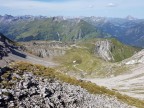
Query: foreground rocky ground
[[26, 90]]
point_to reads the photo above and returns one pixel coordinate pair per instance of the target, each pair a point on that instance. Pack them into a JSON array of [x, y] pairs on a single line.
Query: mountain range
[[127, 30], [26, 28], [54, 28]]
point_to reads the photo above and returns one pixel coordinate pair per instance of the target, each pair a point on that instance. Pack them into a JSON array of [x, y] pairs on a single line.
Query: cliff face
[[113, 50], [103, 49]]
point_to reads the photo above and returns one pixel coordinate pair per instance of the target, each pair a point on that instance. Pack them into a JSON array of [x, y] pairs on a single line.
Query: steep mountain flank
[[8, 47], [4, 50], [135, 35]]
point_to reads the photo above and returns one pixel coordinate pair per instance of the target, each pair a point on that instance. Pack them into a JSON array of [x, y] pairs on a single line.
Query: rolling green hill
[[82, 58]]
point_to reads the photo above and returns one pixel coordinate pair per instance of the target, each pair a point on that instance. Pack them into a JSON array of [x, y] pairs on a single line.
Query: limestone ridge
[[103, 49], [46, 49]]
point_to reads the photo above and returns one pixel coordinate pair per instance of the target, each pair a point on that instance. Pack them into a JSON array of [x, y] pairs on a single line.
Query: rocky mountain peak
[[129, 17], [4, 46]]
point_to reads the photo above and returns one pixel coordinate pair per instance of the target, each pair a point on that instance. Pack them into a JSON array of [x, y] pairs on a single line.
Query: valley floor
[[131, 83]]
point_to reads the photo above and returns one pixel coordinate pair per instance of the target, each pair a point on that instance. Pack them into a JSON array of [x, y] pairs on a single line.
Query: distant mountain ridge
[[128, 30], [42, 28]]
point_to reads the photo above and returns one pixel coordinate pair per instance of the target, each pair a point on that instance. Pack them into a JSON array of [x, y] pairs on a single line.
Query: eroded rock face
[[103, 49], [36, 92], [46, 49]]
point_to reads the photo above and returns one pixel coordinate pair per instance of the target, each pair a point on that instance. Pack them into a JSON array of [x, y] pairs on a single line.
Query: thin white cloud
[[111, 5]]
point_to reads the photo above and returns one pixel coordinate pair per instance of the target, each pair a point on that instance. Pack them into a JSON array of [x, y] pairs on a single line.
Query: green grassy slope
[[49, 29], [82, 60], [121, 51]]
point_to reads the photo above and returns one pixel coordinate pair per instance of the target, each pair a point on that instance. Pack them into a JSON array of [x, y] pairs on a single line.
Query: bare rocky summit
[[30, 91]]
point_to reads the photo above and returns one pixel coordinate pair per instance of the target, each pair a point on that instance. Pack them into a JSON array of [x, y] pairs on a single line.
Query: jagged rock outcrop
[[46, 49], [31, 91], [5, 46], [103, 49], [8, 47]]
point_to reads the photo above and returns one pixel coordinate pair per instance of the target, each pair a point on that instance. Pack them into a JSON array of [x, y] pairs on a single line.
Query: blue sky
[[104, 8]]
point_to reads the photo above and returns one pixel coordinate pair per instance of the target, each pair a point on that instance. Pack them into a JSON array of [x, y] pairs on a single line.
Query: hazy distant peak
[[129, 17]]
